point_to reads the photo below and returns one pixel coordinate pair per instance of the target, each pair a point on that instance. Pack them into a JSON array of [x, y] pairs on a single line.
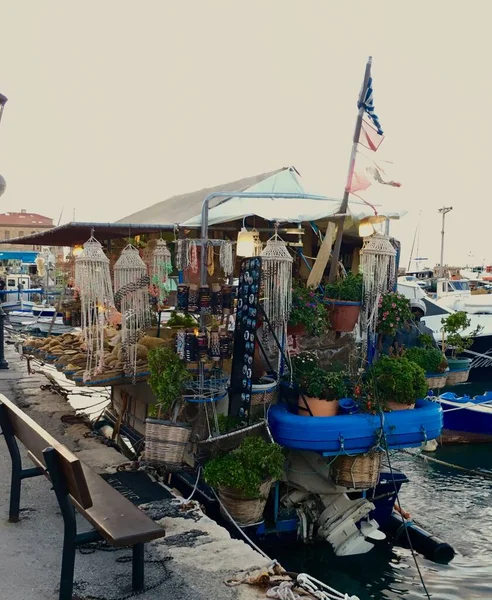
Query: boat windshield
[[460, 285]]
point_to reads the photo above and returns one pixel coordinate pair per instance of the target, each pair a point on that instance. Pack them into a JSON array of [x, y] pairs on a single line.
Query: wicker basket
[[459, 376], [264, 392], [359, 472], [245, 511], [436, 381], [165, 442]]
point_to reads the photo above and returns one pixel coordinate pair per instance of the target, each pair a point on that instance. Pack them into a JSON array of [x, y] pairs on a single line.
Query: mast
[[444, 211], [343, 208]]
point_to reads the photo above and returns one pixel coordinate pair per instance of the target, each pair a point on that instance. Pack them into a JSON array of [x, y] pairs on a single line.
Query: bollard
[[3, 363]]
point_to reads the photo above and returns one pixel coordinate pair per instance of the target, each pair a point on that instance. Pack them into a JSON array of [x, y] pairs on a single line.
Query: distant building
[[18, 224]]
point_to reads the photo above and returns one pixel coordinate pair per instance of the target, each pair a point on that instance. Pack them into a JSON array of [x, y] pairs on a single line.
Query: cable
[[386, 449]]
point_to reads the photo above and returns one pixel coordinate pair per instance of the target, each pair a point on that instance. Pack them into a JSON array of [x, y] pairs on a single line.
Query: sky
[[115, 105]]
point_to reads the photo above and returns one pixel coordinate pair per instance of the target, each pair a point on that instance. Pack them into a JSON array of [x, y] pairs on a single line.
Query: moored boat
[[466, 419]]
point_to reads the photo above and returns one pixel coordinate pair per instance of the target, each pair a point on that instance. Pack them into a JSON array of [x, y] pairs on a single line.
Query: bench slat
[[36, 439], [114, 516]]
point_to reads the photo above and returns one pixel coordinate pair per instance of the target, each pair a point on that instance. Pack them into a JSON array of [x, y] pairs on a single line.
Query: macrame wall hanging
[[277, 287], [131, 284], [226, 258], [378, 265], [93, 280], [161, 269]]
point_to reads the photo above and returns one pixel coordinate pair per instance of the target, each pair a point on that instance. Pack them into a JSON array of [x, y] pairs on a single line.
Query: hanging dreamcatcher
[[161, 268], [226, 257], [131, 284], [277, 286], [378, 265], [93, 280]]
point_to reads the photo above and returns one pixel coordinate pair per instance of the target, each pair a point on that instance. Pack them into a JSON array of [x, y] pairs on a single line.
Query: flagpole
[[343, 208]]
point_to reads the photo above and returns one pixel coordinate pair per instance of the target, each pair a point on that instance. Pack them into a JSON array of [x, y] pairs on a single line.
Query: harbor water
[[452, 505]]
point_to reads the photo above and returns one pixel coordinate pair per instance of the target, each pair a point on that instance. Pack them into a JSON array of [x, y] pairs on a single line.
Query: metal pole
[[444, 211], [343, 208], [3, 363]]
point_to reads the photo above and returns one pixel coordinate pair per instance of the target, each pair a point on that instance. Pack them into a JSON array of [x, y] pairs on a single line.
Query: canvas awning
[[72, 234], [293, 210]]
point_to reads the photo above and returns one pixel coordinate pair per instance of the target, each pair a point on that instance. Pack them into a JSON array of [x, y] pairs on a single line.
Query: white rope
[[321, 590], [195, 486]]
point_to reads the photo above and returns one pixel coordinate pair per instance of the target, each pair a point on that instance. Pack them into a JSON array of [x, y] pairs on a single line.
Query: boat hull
[[466, 422], [357, 433]]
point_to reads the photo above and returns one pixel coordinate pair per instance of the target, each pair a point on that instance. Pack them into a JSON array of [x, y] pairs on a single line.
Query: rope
[[425, 458], [196, 484]]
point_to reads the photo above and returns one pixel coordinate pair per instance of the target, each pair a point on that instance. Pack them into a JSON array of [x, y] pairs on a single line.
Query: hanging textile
[[93, 280], [131, 284], [226, 258], [161, 268], [378, 266], [277, 286], [182, 258]]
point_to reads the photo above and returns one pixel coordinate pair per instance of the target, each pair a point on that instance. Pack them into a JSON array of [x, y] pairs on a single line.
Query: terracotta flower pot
[[299, 329], [343, 314], [319, 408], [397, 406]]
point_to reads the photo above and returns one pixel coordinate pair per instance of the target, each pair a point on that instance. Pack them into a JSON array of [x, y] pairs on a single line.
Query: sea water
[[452, 505]]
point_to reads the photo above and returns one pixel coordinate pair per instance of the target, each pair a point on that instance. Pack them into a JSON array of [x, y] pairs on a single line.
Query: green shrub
[[398, 380], [348, 288], [431, 360]]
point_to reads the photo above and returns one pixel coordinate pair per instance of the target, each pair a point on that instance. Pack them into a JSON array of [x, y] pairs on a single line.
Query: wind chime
[[131, 284], [378, 265], [277, 287], [93, 280], [161, 268]]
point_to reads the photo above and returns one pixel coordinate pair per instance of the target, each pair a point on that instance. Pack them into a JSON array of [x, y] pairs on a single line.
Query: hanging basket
[[359, 472], [245, 511], [343, 314], [436, 381], [455, 377], [165, 442], [264, 392]]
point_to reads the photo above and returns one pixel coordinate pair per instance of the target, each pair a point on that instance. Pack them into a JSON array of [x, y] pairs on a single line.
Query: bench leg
[[68, 566], [138, 568], [15, 492]]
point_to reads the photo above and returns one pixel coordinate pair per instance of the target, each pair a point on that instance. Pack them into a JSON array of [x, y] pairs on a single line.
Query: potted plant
[[398, 381], [319, 390], [433, 362], [165, 438], [344, 299], [308, 314], [453, 327], [244, 477]]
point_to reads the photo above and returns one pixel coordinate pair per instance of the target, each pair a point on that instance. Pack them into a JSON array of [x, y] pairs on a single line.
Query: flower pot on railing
[[343, 314], [459, 370]]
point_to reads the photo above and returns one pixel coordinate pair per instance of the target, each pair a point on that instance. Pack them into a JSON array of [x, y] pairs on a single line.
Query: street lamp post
[[444, 211]]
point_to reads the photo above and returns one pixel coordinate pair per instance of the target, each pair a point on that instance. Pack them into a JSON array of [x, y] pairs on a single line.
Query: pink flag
[[369, 136]]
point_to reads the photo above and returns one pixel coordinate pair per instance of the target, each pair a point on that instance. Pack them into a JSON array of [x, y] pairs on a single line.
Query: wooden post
[[343, 208], [323, 257]]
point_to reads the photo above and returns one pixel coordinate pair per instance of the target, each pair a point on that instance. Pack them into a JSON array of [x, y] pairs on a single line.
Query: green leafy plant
[[398, 380], [393, 311], [309, 310], [348, 288], [168, 377], [247, 467], [316, 382], [431, 360], [180, 320], [453, 327], [426, 340], [303, 366]]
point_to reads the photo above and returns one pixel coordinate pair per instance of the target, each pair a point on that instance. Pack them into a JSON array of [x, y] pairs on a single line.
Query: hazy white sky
[[115, 104]]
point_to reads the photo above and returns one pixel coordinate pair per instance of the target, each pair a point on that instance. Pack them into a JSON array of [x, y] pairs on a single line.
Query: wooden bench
[[77, 487]]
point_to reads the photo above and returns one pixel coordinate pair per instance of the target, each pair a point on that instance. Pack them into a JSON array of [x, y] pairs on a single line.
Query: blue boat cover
[[357, 433]]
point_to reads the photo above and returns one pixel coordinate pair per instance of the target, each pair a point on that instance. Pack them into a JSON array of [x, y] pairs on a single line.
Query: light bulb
[[365, 229], [77, 250], [245, 243]]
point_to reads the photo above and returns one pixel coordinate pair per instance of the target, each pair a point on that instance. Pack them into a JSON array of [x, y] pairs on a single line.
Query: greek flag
[[368, 104]]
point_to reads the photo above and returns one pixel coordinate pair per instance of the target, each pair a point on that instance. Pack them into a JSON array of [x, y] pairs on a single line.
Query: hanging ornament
[[378, 265], [193, 298], [204, 300], [182, 257], [214, 344], [161, 268], [180, 343], [277, 284], [216, 299], [226, 258], [93, 280], [182, 297], [258, 245], [131, 284]]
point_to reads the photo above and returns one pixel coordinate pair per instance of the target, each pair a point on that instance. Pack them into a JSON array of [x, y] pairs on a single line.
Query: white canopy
[[292, 210]]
